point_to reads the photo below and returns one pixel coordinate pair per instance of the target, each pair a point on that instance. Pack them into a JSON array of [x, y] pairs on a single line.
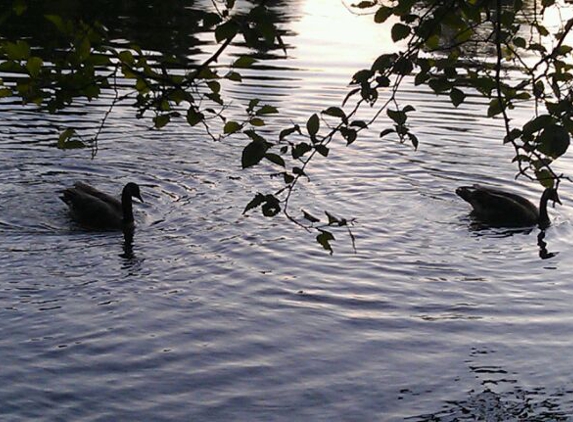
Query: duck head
[[132, 190]]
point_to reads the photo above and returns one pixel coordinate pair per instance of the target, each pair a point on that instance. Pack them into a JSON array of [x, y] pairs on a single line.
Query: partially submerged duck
[[506, 209], [97, 210]]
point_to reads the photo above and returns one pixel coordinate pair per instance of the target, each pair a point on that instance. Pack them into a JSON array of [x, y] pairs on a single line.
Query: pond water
[[219, 316]]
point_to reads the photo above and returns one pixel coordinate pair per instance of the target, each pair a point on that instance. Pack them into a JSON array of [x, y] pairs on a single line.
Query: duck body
[[498, 207], [97, 210]]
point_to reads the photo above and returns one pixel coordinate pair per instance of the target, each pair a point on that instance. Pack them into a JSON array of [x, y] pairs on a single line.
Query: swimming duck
[[506, 209], [97, 210]]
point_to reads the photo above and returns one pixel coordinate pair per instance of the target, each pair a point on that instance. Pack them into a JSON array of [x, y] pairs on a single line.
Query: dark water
[[218, 316]]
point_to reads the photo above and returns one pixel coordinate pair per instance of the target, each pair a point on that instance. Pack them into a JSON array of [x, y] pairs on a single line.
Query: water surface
[[220, 316]]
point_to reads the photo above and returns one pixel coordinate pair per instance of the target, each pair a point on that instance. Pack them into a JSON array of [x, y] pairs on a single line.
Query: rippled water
[[219, 316]]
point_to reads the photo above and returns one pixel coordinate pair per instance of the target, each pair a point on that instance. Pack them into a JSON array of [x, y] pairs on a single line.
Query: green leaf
[[336, 112], [543, 31], [231, 127], [215, 98], [350, 94], [541, 163], [34, 66], [362, 76], [93, 91], [382, 14], [368, 94], [266, 109], [554, 141], [348, 134], [142, 86], [299, 171], [289, 131], [483, 85], [234, 76], [161, 120], [210, 20], [359, 123], [83, 49], [322, 150], [313, 125], [64, 136], [226, 30], [255, 202], [256, 137], [400, 31], [19, 7], [413, 139], [324, 238], [214, 86], [253, 153], [271, 207], [310, 217], [563, 50], [545, 178], [440, 85], [127, 57], [457, 96], [267, 29], [537, 47], [519, 42], [521, 158], [252, 104], [5, 92], [208, 73], [494, 108], [58, 22], [288, 178], [20, 50], [383, 81], [383, 63], [332, 220], [365, 4], [300, 149], [243, 62], [399, 117], [537, 124], [72, 144], [255, 121], [194, 117], [512, 136], [433, 42], [276, 159], [386, 132], [65, 140]]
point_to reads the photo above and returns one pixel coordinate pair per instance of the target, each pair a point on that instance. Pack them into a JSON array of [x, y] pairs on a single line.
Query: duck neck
[[543, 216], [127, 207]]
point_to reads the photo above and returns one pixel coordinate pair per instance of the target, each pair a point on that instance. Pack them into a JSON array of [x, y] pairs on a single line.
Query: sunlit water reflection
[[220, 316]]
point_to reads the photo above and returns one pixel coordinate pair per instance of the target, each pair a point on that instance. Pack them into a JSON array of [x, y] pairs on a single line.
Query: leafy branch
[[437, 35]]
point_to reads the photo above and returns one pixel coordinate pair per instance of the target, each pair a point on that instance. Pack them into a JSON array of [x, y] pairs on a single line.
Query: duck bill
[[141, 199]]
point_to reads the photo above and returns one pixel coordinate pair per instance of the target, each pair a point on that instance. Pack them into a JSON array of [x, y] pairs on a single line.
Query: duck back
[[499, 207], [92, 208]]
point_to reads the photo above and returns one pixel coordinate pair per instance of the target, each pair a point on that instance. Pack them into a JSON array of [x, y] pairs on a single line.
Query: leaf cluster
[[463, 49]]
